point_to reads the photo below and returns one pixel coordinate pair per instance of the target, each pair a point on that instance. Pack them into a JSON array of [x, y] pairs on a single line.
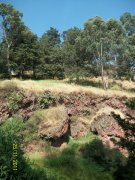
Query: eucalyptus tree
[[11, 27], [128, 23], [95, 37], [126, 66], [115, 40]]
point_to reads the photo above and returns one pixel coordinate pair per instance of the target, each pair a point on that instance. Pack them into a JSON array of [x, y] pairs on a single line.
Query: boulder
[[55, 123], [79, 126], [105, 125]]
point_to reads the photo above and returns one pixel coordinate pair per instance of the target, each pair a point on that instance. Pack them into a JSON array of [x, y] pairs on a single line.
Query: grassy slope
[[68, 163], [62, 86]]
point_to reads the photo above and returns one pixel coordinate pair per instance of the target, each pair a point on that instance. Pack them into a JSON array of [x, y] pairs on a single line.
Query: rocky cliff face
[[75, 114]]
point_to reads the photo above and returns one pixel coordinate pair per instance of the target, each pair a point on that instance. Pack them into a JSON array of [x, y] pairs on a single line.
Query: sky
[[40, 15]]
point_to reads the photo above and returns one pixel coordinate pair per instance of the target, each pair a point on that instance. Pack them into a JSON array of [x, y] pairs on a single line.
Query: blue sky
[[40, 15]]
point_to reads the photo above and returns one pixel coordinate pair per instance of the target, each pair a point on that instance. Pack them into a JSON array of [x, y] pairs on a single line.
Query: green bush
[[61, 99], [31, 126], [14, 101], [46, 100], [50, 71], [131, 103], [11, 132]]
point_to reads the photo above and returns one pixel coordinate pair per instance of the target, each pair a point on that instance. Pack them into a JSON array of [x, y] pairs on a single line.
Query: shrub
[[14, 101], [31, 126], [50, 71], [11, 132], [131, 103], [61, 99], [46, 100]]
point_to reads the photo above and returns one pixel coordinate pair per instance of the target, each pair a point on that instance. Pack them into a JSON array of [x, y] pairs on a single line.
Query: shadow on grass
[[131, 90], [83, 162], [84, 82]]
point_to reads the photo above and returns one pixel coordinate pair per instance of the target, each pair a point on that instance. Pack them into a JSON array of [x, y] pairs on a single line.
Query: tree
[[26, 54], [72, 53], [128, 22], [95, 31], [126, 61], [11, 25], [116, 40], [51, 65]]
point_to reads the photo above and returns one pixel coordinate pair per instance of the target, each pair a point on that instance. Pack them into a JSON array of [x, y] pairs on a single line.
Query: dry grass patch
[[58, 86]]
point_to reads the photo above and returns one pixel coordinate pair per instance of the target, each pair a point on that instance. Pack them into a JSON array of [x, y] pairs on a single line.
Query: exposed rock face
[[27, 106], [79, 126], [55, 123], [105, 125], [86, 111]]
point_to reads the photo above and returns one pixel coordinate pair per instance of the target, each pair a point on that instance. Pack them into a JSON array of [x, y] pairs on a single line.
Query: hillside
[[64, 130]]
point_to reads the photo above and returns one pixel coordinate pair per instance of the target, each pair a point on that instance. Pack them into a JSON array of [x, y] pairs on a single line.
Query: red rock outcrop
[[55, 123]]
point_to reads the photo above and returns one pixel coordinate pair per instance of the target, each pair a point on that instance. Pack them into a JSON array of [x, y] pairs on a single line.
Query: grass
[[62, 86], [68, 163]]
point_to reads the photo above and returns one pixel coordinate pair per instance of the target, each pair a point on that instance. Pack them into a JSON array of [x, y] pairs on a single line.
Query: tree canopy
[[100, 48]]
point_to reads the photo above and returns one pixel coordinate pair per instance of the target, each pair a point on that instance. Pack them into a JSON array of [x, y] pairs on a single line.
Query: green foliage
[[50, 71], [128, 143], [131, 103], [14, 101], [61, 99], [11, 132], [97, 152], [31, 127], [46, 100], [68, 164], [86, 112], [100, 48], [26, 54]]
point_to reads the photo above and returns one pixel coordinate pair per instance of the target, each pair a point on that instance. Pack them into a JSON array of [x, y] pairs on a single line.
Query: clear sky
[[40, 15]]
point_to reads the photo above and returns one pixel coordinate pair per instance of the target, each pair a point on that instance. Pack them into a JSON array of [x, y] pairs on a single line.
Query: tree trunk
[[102, 67], [102, 75], [34, 72], [8, 63]]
